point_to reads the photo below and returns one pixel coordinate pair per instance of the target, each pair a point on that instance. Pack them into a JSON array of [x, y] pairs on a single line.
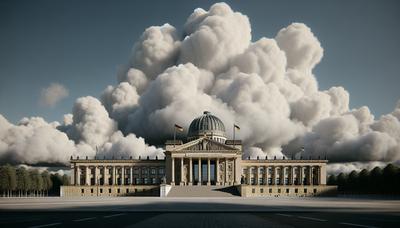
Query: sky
[[81, 45]]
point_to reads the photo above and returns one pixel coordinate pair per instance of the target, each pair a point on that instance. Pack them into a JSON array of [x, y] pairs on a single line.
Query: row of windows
[[109, 190], [152, 170], [287, 190], [278, 170]]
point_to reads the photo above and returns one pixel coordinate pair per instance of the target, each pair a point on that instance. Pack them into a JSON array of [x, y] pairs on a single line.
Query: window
[[305, 190], [146, 181], [253, 181], [144, 171], [109, 190], [154, 180], [315, 190], [82, 190], [260, 181], [261, 190], [269, 180], [101, 190], [244, 171], [91, 190], [153, 171], [296, 190], [118, 190], [253, 171], [161, 171], [287, 190], [127, 190], [253, 190], [136, 171], [270, 190], [279, 190]]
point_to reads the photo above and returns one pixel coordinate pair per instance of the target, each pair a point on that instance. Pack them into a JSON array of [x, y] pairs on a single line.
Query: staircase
[[203, 191]]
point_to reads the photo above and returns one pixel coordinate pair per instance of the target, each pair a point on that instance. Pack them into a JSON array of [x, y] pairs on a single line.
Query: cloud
[[53, 94], [268, 87]]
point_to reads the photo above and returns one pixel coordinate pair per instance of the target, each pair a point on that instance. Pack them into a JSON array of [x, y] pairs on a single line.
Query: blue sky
[[80, 44]]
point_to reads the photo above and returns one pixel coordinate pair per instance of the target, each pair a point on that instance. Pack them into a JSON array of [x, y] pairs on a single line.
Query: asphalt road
[[199, 212]]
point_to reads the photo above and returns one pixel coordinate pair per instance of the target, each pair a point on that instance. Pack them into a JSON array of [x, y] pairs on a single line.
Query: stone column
[[265, 175], [114, 175], [217, 171], [96, 175], [249, 175], [208, 171], [190, 171], [257, 175], [291, 175], [226, 171], [283, 175], [301, 175], [173, 171], [181, 181], [78, 175], [122, 175], [199, 171], [274, 175], [310, 176], [131, 175], [234, 172]]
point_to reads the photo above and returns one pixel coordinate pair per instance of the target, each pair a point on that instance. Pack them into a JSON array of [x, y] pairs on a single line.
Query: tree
[[12, 179], [47, 183], [37, 182], [332, 180], [363, 178], [23, 181], [389, 178], [352, 180], [376, 180], [341, 181], [65, 179], [4, 183]]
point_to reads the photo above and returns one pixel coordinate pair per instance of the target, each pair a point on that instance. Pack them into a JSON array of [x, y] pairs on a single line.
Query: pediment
[[204, 144]]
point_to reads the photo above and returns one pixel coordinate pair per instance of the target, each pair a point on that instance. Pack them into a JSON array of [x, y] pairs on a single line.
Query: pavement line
[[114, 215], [311, 218], [358, 225], [47, 225], [83, 219], [286, 215]]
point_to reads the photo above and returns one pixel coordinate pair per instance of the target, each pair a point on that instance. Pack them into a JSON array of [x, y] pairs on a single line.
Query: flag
[[179, 128], [236, 126]]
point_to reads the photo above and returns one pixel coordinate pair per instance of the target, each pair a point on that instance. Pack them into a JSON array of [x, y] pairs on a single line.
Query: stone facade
[[202, 160]]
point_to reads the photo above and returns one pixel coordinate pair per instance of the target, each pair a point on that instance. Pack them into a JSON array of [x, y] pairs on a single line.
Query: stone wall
[[275, 191]]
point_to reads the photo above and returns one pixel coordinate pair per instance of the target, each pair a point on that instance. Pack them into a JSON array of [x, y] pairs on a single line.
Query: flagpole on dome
[[180, 129], [234, 129]]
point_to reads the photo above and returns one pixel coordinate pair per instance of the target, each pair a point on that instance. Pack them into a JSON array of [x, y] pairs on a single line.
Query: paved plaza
[[199, 212]]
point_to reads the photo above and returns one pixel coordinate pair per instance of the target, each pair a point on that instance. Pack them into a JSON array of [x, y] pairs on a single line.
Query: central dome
[[207, 125]]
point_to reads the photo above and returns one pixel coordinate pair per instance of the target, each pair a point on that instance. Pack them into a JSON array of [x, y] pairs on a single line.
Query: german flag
[[179, 128], [236, 126]]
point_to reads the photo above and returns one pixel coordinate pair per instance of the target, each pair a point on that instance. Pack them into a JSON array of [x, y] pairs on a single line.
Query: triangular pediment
[[204, 143]]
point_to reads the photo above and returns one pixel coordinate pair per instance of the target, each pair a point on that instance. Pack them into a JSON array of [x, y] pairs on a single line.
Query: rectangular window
[[136, 171], [296, 190], [270, 190], [161, 171], [261, 190], [154, 180], [260, 180], [91, 190], [82, 190], [287, 190], [253, 181], [254, 171], [269, 180], [109, 190], [279, 190], [101, 190], [253, 190], [153, 171], [127, 190], [305, 190], [315, 190], [118, 190], [244, 171]]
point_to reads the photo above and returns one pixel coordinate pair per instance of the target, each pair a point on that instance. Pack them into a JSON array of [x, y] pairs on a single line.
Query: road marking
[[311, 218], [83, 219], [358, 225], [286, 215], [47, 225], [114, 215]]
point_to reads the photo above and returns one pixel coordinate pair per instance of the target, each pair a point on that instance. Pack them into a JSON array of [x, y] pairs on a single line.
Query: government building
[[206, 164]]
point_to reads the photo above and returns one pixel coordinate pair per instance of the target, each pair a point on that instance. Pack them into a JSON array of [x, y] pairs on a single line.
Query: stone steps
[[203, 191]]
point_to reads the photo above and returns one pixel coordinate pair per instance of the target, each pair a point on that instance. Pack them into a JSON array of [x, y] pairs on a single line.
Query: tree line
[[375, 181], [20, 182]]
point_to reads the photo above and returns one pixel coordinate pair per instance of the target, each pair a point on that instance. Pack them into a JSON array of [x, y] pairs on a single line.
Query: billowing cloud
[[267, 87], [52, 94]]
